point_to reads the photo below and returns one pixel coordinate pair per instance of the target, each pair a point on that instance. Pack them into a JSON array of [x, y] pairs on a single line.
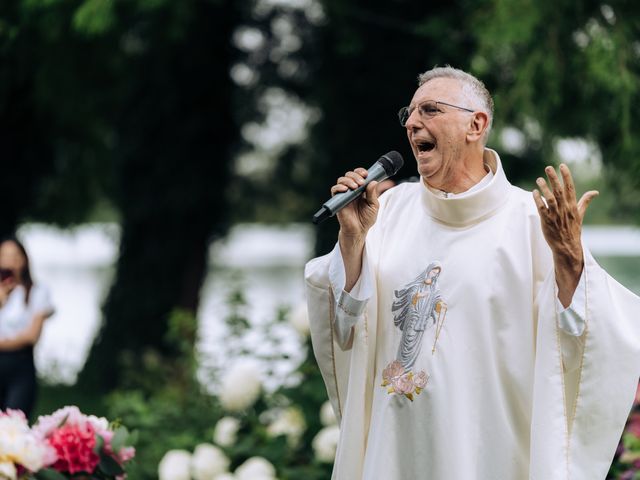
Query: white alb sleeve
[[572, 318], [349, 305]]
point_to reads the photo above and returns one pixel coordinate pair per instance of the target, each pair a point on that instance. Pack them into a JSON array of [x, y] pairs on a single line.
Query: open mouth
[[424, 146]]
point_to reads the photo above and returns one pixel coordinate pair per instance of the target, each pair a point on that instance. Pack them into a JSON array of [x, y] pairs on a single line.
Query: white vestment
[[464, 300]]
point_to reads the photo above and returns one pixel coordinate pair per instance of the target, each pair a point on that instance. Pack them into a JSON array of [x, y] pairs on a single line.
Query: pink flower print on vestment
[[420, 380], [404, 385], [393, 370], [400, 382]]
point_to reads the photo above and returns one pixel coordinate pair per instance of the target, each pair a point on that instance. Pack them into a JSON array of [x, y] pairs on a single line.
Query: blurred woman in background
[[23, 308]]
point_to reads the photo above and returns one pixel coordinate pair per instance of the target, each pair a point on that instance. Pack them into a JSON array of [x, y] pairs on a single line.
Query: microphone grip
[[340, 200]]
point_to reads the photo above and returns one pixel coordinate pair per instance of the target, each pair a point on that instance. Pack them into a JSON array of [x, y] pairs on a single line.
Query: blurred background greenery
[[178, 119]]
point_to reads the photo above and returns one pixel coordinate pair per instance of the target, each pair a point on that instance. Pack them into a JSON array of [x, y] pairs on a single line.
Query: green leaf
[[63, 421], [109, 466], [99, 444], [94, 17], [133, 438], [119, 439], [49, 474]]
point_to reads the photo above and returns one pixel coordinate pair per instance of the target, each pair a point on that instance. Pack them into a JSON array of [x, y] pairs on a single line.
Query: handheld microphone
[[386, 166]]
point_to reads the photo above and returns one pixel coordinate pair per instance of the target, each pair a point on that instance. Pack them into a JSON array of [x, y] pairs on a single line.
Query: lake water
[[77, 266]]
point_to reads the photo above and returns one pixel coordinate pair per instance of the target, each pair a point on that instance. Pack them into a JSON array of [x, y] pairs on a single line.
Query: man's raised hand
[[561, 220]]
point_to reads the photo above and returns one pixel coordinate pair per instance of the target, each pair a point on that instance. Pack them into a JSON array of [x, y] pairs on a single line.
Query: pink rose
[[12, 413], [403, 385], [74, 446], [393, 370], [69, 415], [420, 379]]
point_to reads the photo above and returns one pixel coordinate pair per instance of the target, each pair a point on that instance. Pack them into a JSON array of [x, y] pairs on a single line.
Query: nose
[[414, 121]]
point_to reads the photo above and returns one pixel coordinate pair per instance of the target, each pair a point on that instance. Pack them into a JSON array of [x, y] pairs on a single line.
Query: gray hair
[[470, 84]]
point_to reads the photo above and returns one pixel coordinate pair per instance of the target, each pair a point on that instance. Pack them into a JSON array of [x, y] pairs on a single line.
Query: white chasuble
[[457, 366]]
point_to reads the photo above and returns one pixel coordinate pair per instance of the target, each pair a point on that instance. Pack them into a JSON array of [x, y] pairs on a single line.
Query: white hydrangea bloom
[[225, 476], [325, 443], [226, 430], [289, 422], [175, 465], [255, 468], [299, 319], [208, 461], [240, 387], [327, 415]]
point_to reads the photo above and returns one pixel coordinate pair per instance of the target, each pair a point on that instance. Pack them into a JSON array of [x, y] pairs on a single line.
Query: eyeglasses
[[427, 110]]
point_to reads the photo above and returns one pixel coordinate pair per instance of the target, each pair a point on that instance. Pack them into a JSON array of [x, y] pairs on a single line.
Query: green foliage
[[237, 320], [164, 402], [626, 463], [109, 466], [94, 17], [52, 397], [573, 68], [172, 411], [55, 98], [49, 474]]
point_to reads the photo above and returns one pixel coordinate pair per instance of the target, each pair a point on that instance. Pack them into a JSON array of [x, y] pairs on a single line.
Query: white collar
[[485, 180], [477, 203]]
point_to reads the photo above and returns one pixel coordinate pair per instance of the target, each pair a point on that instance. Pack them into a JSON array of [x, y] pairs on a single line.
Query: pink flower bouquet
[[65, 444]]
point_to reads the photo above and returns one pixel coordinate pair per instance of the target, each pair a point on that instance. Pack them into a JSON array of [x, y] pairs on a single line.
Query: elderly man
[[462, 330]]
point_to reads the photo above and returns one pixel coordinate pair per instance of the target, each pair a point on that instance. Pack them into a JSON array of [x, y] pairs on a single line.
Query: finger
[[385, 185], [348, 181], [361, 171], [338, 189], [356, 177], [371, 194], [585, 200], [548, 195], [542, 208], [569, 186], [556, 186]]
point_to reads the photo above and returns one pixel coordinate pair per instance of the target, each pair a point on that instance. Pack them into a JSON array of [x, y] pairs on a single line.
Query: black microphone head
[[391, 162]]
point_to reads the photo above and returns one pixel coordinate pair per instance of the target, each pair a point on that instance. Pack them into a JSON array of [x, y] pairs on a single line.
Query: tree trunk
[[175, 140]]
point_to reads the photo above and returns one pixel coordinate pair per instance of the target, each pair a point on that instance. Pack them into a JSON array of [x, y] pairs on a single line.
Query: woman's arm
[[27, 337]]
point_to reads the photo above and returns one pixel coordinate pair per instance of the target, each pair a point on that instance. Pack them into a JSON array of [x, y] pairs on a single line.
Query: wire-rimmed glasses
[[427, 109]]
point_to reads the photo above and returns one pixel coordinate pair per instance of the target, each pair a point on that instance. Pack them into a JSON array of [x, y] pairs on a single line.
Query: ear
[[477, 126]]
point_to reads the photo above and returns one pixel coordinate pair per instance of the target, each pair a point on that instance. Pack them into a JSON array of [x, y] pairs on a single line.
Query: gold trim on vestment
[[584, 346], [332, 320], [564, 387], [577, 394]]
